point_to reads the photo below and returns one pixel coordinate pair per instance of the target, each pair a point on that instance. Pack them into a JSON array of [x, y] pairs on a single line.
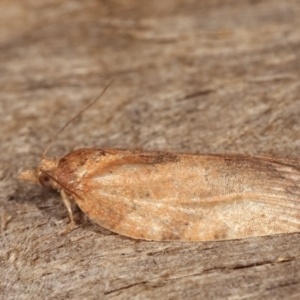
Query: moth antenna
[[75, 117]]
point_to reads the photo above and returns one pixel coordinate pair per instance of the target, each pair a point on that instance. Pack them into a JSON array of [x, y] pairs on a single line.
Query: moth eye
[[45, 181]]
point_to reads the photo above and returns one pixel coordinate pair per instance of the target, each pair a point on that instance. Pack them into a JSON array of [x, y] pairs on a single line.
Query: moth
[[162, 196]]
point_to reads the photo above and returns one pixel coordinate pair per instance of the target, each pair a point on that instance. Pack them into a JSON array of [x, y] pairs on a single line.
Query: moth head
[[42, 174]]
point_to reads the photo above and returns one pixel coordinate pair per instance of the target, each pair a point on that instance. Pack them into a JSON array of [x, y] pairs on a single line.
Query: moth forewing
[[176, 196]]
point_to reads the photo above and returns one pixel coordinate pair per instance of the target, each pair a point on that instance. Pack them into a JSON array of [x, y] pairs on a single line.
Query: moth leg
[[67, 204]]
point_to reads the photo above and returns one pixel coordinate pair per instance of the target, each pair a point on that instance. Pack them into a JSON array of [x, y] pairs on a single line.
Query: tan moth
[[160, 196]]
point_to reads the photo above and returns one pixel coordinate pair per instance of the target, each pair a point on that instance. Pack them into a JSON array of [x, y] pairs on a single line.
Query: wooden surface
[[194, 76]]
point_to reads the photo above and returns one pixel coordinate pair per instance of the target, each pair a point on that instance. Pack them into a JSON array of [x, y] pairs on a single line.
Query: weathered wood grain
[[197, 76]]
